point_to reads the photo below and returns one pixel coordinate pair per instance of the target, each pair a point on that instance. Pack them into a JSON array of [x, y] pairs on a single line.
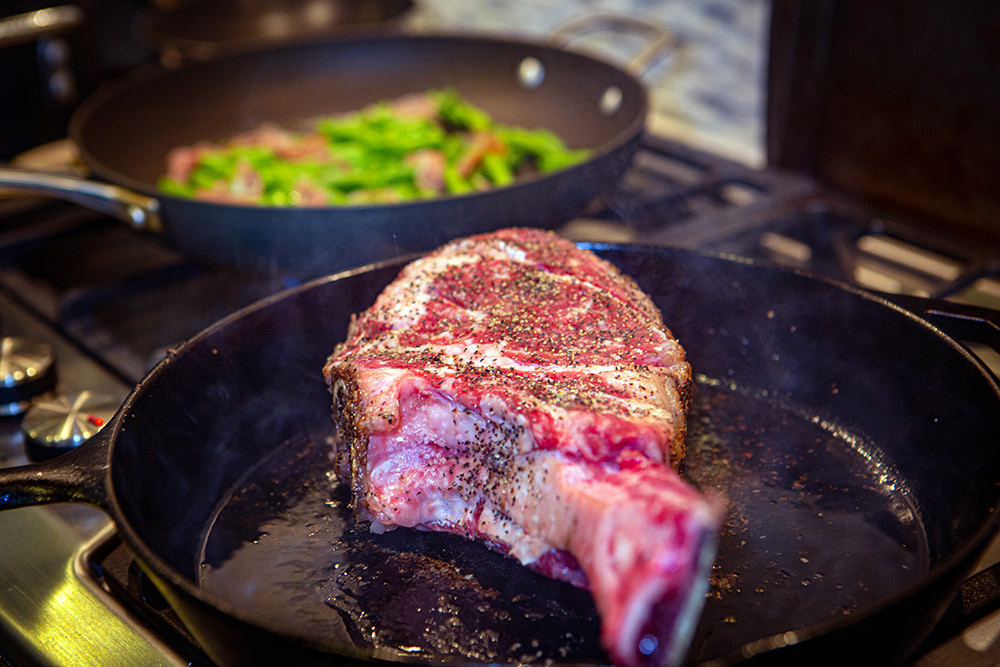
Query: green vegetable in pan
[[417, 147]]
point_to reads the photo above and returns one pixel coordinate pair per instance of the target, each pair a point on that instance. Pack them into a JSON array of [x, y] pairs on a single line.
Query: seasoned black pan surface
[[817, 524]]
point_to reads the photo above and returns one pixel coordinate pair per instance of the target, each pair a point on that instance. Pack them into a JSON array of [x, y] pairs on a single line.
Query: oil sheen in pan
[[286, 548], [816, 526]]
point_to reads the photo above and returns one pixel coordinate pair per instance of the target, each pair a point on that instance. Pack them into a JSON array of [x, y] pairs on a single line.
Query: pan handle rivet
[[531, 72], [137, 216], [611, 100]]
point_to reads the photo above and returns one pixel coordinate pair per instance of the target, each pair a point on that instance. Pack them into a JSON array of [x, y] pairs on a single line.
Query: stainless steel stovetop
[[108, 300]]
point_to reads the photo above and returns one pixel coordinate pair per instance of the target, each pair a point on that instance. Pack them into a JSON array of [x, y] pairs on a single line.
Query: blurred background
[[710, 92]]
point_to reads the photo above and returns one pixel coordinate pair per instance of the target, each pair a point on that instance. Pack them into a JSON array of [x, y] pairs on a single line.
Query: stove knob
[[55, 425], [27, 369]]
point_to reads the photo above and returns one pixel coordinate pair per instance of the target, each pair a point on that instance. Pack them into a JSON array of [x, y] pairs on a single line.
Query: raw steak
[[516, 390]]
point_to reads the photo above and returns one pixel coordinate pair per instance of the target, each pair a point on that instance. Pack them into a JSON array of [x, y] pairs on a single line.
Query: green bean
[[454, 183], [365, 157], [497, 169], [460, 114]]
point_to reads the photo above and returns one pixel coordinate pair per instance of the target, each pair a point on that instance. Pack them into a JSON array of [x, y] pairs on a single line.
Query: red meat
[[516, 390]]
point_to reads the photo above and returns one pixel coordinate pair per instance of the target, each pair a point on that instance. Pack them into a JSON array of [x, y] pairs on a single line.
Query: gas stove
[[110, 303]]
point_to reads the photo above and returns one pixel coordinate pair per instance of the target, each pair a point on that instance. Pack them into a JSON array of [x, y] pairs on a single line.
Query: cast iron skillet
[[125, 130], [855, 443]]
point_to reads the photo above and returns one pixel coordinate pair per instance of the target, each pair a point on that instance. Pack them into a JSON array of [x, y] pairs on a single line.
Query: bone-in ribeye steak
[[517, 390]]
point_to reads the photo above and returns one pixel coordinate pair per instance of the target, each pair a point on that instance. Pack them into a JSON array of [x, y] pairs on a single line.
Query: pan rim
[[150, 23]]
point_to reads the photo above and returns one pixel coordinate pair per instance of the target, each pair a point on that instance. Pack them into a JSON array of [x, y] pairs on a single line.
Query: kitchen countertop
[[709, 93]]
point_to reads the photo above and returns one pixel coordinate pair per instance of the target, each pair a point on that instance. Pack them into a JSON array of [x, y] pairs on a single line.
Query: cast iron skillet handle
[[136, 210], [661, 41], [75, 477], [961, 321]]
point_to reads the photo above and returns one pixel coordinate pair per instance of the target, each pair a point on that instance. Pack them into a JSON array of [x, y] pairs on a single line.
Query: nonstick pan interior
[[853, 443], [127, 128]]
